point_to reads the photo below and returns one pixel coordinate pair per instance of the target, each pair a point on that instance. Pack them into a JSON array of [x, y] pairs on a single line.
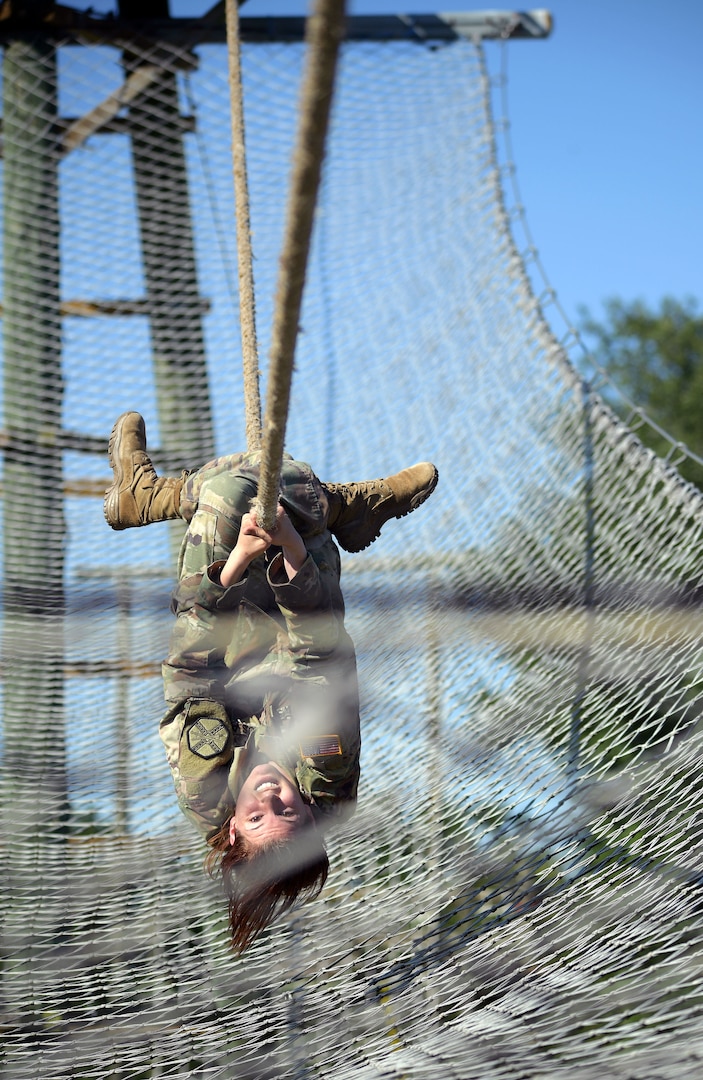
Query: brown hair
[[262, 883]]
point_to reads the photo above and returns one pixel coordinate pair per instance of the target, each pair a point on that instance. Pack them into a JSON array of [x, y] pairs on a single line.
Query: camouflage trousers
[[215, 498]]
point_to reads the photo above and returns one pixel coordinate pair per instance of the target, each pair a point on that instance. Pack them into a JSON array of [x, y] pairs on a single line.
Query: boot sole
[[111, 502], [418, 500]]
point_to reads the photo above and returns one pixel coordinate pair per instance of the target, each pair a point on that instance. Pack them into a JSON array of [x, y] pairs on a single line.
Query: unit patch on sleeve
[[208, 737]]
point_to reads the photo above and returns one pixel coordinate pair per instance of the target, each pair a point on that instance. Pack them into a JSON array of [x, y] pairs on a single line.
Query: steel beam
[[84, 28]]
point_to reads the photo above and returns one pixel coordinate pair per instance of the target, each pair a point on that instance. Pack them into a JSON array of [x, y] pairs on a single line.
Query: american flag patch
[[323, 746]]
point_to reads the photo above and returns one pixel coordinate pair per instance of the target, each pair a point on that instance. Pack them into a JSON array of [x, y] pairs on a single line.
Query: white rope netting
[[518, 894]]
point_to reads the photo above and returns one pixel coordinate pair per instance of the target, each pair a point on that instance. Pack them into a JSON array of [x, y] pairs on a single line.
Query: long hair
[[262, 883]]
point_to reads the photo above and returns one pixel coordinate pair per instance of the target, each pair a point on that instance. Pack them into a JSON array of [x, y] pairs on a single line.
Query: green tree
[[655, 357]]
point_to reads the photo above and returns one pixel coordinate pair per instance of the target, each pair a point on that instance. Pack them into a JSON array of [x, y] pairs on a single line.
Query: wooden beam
[[116, 125], [170, 272], [87, 488], [89, 309], [81, 129], [61, 441], [98, 669]]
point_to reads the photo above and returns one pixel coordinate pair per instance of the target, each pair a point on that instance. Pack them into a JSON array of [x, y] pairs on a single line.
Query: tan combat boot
[[138, 496], [358, 512]]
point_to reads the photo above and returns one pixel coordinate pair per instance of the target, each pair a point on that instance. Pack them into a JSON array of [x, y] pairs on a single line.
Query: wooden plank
[[90, 309], [93, 121]]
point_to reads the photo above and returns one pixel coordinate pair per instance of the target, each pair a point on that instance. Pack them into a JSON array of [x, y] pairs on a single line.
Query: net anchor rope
[[323, 34], [598, 377]]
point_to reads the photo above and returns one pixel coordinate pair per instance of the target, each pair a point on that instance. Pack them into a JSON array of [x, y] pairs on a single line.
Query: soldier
[[262, 729]]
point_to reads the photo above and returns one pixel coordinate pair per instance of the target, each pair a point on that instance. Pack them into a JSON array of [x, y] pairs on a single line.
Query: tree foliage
[[656, 358]]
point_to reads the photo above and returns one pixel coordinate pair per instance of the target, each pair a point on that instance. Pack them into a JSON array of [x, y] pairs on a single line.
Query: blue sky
[[606, 130], [607, 138]]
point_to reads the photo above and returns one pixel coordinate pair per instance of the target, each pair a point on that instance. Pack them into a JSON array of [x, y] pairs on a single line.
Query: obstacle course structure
[[518, 894]]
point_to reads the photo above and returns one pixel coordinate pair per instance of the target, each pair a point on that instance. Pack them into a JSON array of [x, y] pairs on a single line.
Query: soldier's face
[[269, 807]]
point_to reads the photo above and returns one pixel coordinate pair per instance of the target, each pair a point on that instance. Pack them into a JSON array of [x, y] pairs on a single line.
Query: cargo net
[[519, 893]]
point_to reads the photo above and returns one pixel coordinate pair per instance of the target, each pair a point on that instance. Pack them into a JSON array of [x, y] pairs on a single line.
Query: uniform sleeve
[[312, 620], [199, 743], [203, 632]]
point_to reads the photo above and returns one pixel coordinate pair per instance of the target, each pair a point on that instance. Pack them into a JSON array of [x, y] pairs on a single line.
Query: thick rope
[[247, 305], [324, 31]]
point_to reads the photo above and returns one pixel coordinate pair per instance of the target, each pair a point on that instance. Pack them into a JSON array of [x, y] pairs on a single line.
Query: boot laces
[[364, 489], [144, 475]]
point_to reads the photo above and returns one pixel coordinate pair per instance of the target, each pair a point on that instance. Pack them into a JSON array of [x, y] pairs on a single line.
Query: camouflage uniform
[[263, 670]]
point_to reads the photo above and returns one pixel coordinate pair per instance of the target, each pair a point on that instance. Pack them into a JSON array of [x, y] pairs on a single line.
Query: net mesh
[[519, 892]]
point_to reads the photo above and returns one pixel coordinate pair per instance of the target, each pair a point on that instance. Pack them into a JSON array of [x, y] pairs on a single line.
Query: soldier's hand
[[283, 535], [286, 536], [251, 542]]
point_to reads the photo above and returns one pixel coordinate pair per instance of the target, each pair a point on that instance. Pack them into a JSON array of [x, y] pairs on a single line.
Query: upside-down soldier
[[262, 731]]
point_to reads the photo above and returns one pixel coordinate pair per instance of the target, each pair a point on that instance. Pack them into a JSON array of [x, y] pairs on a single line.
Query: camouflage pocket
[[253, 635], [198, 549]]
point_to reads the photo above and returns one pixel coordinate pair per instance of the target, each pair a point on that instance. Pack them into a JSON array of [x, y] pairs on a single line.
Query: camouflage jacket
[[248, 682]]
